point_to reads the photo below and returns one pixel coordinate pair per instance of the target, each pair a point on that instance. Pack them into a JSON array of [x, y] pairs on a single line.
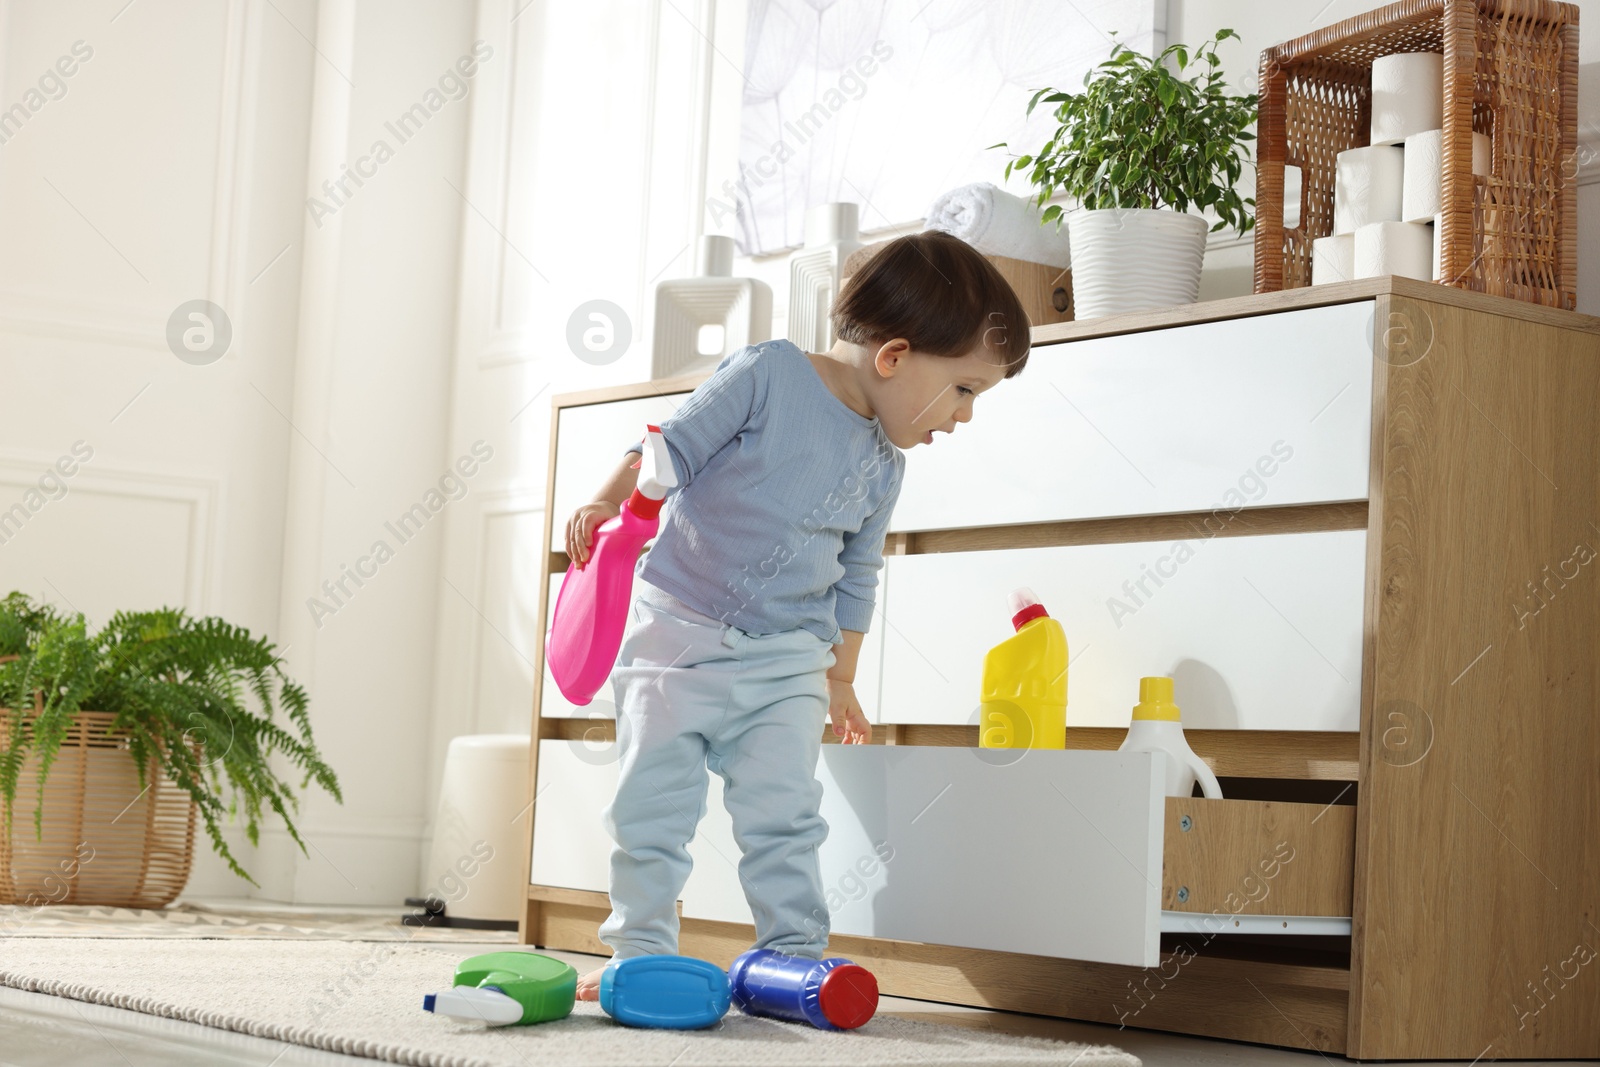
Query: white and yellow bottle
[[1156, 727], [1025, 682]]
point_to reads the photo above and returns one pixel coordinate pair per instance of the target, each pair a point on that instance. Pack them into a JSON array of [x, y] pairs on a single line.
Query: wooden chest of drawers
[[1358, 524]]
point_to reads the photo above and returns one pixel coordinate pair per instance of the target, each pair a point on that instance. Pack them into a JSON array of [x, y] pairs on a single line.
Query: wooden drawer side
[[1257, 857]]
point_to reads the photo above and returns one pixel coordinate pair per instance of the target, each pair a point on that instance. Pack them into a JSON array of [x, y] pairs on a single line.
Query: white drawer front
[[571, 848], [713, 890], [589, 444], [552, 705], [930, 844], [924, 844], [940, 845], [1258, 412], [869, 664], [1260, 633]]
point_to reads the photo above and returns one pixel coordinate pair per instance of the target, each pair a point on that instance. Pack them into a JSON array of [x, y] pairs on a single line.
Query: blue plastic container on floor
[[831, 994], [664, 992]]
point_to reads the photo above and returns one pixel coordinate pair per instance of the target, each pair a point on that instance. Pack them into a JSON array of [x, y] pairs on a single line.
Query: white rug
[[366, 1000], [190, 920]]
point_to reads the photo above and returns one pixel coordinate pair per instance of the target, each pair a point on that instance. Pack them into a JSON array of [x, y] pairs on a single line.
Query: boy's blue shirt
[[783, 500]]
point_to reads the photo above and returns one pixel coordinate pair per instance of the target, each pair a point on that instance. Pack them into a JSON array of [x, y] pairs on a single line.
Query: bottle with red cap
[[831, 994], [592, 607], [1024, 698]]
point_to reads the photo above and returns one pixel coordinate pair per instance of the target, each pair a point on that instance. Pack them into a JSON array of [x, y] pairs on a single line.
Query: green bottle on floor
[[508, 988]]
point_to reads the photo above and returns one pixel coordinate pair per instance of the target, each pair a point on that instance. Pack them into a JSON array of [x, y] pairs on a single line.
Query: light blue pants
[[694, 693]]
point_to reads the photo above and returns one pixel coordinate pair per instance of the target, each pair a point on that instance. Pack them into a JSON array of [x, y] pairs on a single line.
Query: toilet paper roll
[[1333, 259], [1424, 159], [1293, 191], [1368, 186], [1438, 228], [1407, 95], [1401, 248]]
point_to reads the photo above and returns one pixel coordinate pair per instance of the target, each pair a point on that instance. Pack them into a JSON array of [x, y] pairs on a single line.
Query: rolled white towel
[[997, 223]]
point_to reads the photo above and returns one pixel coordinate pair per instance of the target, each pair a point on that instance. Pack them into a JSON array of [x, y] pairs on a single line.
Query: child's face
[[920, 394]]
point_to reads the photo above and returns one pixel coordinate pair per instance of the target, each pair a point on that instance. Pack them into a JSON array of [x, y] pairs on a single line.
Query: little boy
[[753, 600]]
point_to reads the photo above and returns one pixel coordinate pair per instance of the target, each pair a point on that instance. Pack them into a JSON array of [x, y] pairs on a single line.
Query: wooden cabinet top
[[1236, 307]]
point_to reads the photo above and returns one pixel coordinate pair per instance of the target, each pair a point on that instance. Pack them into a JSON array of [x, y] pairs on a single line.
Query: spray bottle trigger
[[656, 473]]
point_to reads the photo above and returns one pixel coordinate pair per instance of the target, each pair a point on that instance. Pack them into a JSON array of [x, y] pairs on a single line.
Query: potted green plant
[[168, 716], [1147, 140]]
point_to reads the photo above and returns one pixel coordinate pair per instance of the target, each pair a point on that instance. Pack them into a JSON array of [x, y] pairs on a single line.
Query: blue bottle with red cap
[[831, 994]]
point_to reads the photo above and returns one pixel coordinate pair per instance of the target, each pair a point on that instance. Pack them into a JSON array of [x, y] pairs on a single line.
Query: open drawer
[[1075, 854]]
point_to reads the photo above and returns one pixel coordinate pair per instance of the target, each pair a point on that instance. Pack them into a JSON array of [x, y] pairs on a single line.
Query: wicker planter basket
[[104, 841], [1510, 72]]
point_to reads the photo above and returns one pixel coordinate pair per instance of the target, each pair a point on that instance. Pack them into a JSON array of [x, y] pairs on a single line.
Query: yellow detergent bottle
[[1025, 682]]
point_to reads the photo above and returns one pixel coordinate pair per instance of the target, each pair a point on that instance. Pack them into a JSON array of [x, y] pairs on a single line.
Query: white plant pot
[[1134, 259]]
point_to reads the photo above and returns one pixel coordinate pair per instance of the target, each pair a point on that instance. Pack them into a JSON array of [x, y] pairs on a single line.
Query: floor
[[42, 1031]]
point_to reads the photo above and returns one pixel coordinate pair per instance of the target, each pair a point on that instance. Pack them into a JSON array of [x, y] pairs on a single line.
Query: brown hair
[[940, 294]]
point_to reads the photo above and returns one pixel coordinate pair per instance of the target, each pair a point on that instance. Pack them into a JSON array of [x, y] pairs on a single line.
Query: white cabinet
[[1057, 853], [1257, 412], [1053, 853], [552, 705], [590, 440], [869, 664], [1259, 632], [902, 821], [571, 848], [713, 890]]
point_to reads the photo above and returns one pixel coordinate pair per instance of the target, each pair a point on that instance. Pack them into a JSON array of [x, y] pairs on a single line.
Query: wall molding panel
[[202, 499], [230, 217], [77, 317], [35, 313]]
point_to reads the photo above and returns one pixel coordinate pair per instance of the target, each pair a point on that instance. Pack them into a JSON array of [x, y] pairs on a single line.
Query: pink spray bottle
[[592, 606]]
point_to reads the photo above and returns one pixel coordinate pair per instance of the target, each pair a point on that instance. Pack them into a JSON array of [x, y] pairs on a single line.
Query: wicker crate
[[104, 841], [1510, 72], [1045, 292]]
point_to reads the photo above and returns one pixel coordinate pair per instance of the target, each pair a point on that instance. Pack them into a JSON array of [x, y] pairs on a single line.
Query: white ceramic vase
[[832, 232], [1134, 259], [741, 307]]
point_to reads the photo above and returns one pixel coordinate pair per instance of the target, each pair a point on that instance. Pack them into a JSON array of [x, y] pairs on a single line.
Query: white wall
[[172, 169], [161, 176], [177, 166], [373, 378]]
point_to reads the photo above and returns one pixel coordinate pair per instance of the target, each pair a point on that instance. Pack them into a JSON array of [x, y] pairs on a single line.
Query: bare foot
[[589, 985]]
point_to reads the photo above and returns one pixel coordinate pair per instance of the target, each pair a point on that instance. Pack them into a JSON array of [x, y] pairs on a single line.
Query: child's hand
[[850, 723], [581, 527]]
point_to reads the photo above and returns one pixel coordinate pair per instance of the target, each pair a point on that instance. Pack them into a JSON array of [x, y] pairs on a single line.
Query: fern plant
[[200, 697], [1147, 132]]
